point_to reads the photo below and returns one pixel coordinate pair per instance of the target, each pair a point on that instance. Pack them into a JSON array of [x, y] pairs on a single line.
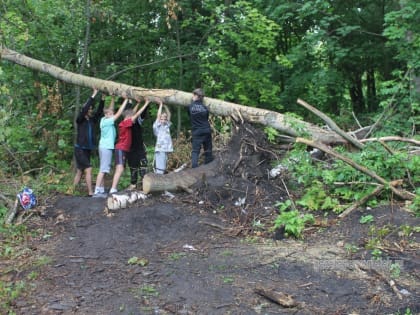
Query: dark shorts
[[120, 157], [82, 157]]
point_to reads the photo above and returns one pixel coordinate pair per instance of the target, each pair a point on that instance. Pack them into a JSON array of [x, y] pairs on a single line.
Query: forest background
[[356, 61]]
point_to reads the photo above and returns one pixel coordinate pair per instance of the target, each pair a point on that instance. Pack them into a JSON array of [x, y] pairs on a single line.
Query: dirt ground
[[207, 252]]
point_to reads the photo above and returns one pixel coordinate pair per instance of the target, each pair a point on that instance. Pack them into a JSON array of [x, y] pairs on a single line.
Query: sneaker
[[113, 191]]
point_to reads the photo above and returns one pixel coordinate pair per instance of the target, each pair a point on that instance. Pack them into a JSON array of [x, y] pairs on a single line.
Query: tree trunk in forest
[[372, 100], [356, 94], [287, 125]]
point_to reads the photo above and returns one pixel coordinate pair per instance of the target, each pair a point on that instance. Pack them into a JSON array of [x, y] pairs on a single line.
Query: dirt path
[[209, 252], [189, 261]]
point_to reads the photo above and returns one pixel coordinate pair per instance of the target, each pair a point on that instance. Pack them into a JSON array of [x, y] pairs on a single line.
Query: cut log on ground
[[121, 201], [180, 180], [179, 98]]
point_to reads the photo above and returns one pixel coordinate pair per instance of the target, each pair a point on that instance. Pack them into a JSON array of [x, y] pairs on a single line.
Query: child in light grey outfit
[[161, 129]]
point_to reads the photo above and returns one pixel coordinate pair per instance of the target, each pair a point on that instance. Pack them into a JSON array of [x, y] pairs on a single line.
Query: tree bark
[[289, 126], [179, 180]]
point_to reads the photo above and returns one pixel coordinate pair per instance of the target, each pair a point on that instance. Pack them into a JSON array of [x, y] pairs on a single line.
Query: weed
[[138, 261], [42, 261], [10, 292], [176, 256], [293, 221], [148, 290], [376, 253], [395, 270], [32, 275], [271, 134], [366, 219], [351, 249], [227, 253], [407, 231], [227, 279]]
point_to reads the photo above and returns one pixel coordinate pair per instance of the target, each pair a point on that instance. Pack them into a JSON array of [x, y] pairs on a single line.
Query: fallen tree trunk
[[179, 98], [179, 180]]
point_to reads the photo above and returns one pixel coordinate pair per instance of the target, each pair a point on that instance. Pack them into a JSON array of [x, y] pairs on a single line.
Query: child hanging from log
[[161, 129]]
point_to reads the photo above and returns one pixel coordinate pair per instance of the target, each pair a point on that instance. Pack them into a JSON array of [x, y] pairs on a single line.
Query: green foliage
[[9, 292], [376, 253], [271, 134], [138, 261], [292, 220], [316, 198], [395, 270], [366, 219], [415, 205], [240, 53], [319, 190]]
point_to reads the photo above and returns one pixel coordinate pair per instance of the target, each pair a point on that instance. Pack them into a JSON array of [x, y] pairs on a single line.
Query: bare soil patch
[[201, 253]]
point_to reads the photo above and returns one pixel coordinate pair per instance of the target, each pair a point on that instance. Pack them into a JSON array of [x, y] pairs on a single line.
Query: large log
[[287, 125], [179, 180]]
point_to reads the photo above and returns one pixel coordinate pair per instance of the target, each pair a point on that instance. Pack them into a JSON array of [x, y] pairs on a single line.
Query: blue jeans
[[205, 141]]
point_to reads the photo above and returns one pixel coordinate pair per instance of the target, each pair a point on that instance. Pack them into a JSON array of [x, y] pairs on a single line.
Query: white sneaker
[[113, 191]]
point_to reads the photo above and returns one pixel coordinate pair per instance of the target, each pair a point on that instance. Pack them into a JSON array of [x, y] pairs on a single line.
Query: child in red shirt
[[124, 143]]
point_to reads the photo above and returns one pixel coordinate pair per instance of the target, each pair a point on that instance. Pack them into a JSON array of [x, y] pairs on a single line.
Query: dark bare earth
[[202, 254]]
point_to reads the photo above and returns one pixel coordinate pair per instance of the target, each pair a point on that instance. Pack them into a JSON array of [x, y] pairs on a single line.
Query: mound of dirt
[[210, 252]]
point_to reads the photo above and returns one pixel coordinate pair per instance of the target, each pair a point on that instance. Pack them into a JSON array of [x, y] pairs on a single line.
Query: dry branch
[[360, 202], [390, 282], [401, 193], [280, 298], [331, 124], [12, 213], [392, 138]]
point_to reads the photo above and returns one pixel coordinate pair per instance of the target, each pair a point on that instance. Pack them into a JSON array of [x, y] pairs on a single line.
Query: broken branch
[[401, 193]]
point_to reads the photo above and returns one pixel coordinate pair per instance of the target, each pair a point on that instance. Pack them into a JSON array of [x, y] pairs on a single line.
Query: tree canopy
[[357, 61]]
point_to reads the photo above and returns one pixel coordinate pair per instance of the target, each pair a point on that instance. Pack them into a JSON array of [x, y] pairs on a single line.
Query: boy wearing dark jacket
[[200, 129], [86, 142]]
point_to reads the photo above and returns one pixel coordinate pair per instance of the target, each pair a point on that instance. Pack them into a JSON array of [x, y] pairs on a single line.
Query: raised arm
[[159, 110], [137, 105], [112, 104], [168, 112], [141, 110], [120, 110]]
